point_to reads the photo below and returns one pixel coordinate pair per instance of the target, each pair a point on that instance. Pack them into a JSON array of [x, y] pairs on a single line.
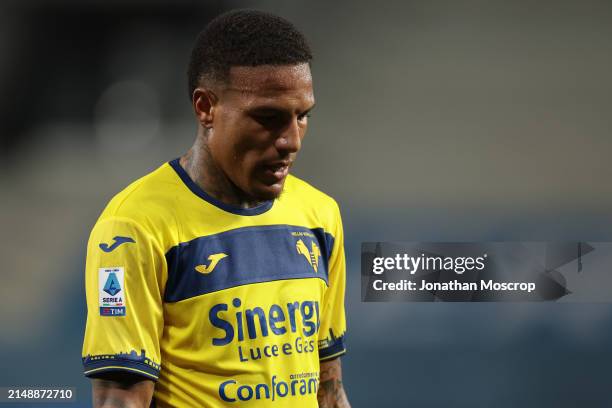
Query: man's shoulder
[[146, 199], [300, 189], [301, 194]]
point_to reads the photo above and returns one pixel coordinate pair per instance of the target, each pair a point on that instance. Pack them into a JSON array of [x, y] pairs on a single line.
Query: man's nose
[[290, 139]]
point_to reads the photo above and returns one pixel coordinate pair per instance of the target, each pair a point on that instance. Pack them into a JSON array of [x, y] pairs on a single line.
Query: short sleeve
[[123, 284], [333, 321]]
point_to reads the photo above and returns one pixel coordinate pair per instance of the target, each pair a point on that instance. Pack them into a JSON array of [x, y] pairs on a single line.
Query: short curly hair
[[244, 38]]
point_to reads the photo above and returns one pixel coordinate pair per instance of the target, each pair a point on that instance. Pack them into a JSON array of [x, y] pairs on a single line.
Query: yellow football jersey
[[219, 305]]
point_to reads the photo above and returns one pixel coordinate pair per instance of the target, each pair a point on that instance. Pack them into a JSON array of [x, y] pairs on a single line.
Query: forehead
[[293, 82]]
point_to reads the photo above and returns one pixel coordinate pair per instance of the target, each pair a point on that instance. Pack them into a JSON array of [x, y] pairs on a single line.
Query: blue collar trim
[[260, 209]]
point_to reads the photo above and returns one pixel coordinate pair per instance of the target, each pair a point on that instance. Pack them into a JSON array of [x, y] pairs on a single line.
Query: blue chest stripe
[[244, 256]]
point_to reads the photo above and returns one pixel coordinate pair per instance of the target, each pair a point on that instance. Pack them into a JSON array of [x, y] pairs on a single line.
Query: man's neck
[[203, 170]]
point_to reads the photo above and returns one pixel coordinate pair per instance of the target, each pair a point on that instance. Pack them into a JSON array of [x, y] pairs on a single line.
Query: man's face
[[259, 121]]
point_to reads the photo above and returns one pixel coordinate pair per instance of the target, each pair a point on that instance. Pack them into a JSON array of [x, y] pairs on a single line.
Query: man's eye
[[304, 116], [266, 119]]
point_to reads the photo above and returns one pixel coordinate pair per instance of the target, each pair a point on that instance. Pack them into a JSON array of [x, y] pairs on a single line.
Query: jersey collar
[[260, 209]]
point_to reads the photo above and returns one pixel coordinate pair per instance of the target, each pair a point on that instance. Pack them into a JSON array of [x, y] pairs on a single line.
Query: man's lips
[[277, 171]]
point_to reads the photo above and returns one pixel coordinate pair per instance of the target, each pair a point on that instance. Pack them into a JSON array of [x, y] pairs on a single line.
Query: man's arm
[[120, 390], [331, 393]]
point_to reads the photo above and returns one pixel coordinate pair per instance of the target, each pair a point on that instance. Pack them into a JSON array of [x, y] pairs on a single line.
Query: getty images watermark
[[498, 271]]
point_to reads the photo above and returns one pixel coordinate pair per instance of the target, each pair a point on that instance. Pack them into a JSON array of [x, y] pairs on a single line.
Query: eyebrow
[[272, 108]]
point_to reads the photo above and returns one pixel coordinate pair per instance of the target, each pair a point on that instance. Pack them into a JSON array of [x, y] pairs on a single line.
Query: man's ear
[[204, 102]]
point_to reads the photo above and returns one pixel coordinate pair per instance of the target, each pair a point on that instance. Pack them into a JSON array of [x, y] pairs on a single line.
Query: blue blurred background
[[435, 121]]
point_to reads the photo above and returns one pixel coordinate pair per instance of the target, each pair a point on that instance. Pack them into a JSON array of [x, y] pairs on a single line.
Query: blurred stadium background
[[443, 120]]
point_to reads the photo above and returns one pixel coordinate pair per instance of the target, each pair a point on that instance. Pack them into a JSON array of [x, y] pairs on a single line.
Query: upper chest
[[243, 256]]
